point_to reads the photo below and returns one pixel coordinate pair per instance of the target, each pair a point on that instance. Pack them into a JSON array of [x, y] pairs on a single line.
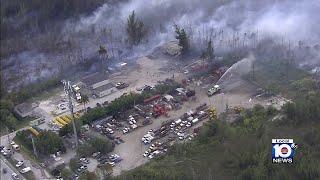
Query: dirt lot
[[133, 148], [149, 72]]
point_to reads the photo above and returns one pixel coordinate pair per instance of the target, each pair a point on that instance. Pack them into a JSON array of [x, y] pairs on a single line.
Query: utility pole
[[68, 90], [34, 146]]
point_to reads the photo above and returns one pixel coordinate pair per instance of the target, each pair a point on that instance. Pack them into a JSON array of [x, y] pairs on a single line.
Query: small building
[[25, 109], [105, 90], [96, 80]]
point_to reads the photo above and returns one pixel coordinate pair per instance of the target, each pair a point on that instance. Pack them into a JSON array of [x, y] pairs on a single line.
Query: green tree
[[101, 145], [68, 129], [84, 101], [74, 164], [47, 142], [66, 173], [183, 39], [135, 29], [85, 150], [89, 176]]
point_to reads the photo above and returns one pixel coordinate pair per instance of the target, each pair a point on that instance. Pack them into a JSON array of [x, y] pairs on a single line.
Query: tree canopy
[[183, 39], [48, 142], [135, 29]]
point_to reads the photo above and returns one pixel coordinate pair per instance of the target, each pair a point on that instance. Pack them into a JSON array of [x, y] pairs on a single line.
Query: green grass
[[26, 152]]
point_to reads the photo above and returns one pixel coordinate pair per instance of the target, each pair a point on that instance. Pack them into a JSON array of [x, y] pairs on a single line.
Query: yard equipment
[[238, 109], [33, 131], [159, 110], [213, 113]]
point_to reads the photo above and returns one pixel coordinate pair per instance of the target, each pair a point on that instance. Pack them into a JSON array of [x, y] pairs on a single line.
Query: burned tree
[[135, 29], [183, 39], [103, 54], [209, 52]]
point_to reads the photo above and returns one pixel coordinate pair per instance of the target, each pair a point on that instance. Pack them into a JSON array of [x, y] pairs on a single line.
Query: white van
[[25, 170], [195, 120]]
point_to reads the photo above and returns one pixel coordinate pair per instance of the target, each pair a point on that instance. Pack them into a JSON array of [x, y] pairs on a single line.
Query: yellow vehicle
[[57, 123], [33, 131], [61, 121], [66, 119], [213, 113]]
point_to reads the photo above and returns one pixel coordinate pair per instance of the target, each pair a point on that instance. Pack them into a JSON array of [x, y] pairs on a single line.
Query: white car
[[150, 156], [112, 163], [188, 124], [25, 170], [15, 176], [19, 163], [125, 130], [146, 154], [180, 134]]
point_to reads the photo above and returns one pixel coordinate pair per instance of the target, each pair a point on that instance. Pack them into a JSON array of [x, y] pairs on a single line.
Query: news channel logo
[[283, 150]]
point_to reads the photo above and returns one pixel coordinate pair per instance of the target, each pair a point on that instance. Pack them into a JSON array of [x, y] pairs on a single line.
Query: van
[[25, 170]]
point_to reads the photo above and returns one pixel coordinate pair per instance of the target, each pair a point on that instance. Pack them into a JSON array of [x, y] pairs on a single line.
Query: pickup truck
[[215, 89]]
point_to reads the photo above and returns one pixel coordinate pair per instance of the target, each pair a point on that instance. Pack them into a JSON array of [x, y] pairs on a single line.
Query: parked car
[[25, 170], [121, 85], [84, 160], [125, 130], [19, 163], [112, 163], [15, 176]]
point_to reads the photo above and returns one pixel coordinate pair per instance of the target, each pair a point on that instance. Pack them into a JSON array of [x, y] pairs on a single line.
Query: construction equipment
[[213, 113], [159, 110], [238, 109]]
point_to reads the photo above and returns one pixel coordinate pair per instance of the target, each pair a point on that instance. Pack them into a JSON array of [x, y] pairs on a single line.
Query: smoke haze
[[228, 23]]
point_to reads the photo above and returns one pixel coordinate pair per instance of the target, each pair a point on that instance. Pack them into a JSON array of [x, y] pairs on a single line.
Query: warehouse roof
[[24, 109], [104, 87], [94, 78]]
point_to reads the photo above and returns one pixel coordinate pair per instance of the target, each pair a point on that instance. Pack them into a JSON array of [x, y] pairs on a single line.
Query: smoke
[[229, 23], [293, 19]]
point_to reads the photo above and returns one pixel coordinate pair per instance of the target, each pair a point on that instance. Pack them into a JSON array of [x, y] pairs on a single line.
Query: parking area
[[172, 117]]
